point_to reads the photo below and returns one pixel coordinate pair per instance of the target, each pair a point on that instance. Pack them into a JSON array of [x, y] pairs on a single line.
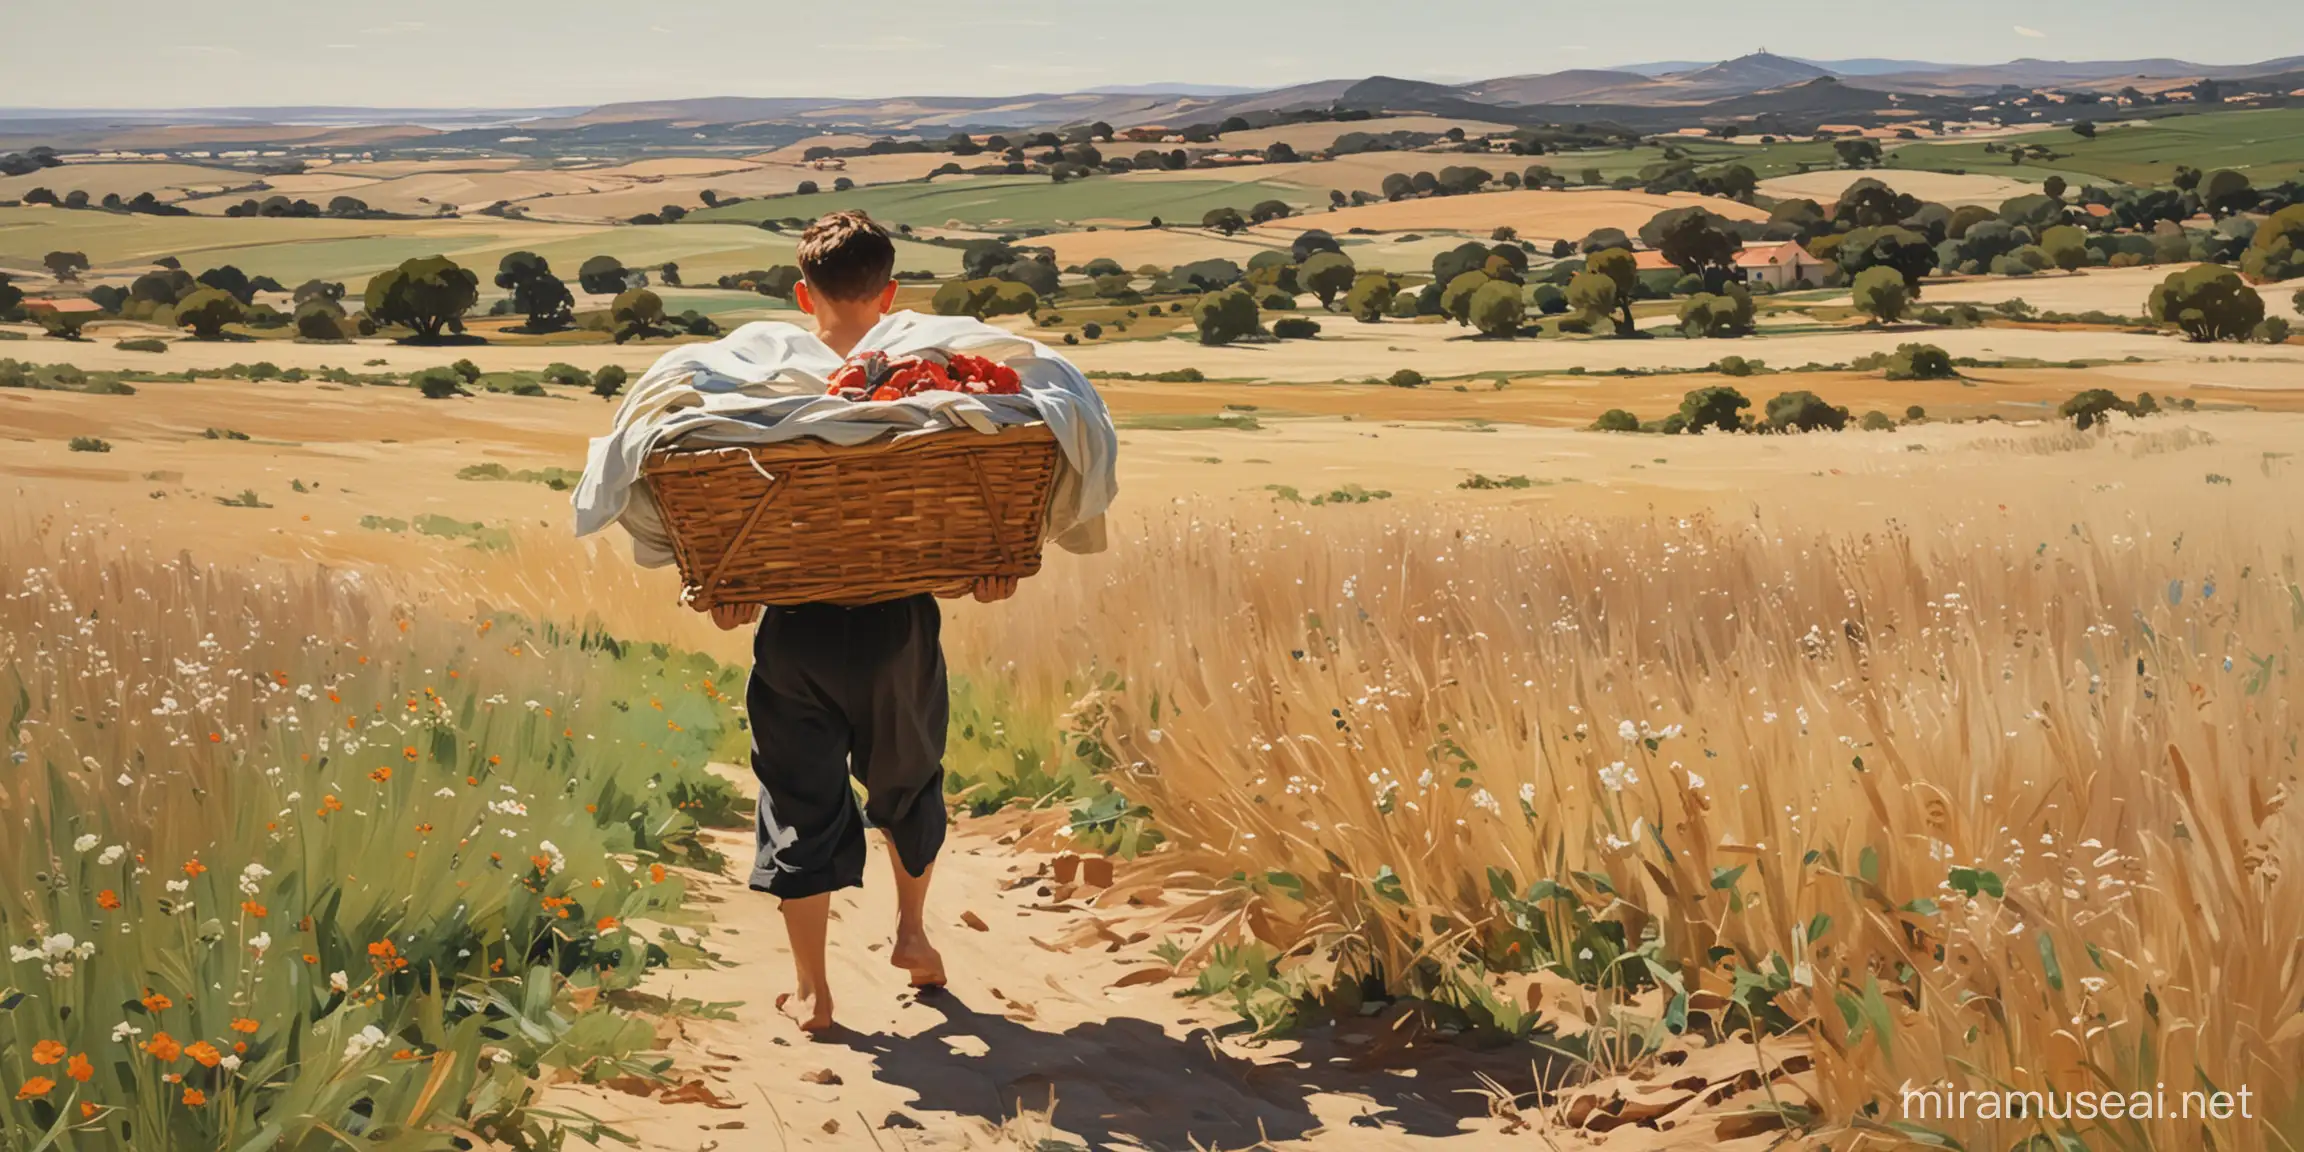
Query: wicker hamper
[[809, 522]]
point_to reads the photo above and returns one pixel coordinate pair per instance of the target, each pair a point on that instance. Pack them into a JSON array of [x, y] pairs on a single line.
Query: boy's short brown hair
[[846, 256]]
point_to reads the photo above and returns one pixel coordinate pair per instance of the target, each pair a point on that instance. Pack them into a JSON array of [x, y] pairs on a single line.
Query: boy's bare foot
[[916, 955], [810, 1008]]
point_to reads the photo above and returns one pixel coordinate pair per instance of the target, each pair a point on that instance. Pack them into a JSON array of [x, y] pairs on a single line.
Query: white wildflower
[[111, 854], [1629, 731], [85, 842], [337, 982], [123, 1031], [260, 942], [1617, 775], [369, 1039], [252, 878]]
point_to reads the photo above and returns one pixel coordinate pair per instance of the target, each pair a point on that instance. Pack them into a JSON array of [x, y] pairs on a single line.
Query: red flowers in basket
[[879, 376]]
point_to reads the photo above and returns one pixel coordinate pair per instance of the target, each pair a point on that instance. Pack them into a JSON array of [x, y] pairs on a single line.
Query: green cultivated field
[[1021, 201], [292, 251], [1765, 160], [2267, 144]]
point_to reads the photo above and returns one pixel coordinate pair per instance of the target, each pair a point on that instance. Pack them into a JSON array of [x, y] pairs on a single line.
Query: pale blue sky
[[525, 53]]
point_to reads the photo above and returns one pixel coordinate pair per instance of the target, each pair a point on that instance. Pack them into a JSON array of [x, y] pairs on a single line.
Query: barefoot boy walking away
[[843, 695], [839, 691]]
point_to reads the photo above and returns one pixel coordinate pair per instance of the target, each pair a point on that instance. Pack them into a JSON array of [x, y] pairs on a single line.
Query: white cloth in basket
[[764, 383]]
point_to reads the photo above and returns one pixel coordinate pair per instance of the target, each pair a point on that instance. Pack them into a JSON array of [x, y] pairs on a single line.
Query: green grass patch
[[557, 479], [1193, 422]]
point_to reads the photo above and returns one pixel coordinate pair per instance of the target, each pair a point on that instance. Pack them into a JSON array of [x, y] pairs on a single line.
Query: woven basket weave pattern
[[809, 522]]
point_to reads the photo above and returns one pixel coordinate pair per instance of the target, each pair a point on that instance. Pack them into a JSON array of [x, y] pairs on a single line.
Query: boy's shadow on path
[[1126, 1083]]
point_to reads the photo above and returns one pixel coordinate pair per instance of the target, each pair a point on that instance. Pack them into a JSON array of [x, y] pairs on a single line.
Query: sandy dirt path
[[1023, 1024], [1057, 998]]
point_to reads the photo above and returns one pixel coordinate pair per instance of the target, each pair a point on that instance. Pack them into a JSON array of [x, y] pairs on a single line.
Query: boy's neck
[[842, 329]]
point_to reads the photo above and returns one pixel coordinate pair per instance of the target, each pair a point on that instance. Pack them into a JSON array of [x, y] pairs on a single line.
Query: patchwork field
[[1990, 190], [2267, 144]]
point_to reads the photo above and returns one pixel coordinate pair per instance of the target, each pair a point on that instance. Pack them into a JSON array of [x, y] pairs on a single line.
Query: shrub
[[1877, 421], [1919, 362], [1717, 406], [1616, 420], [609, 380], [1092, 330], [1295, 328], [438, 383], [559, 373], [1405, 378], [1738, 366], [1915, 413], [2094, 406], [143, 344], [87, 444], [1548, 299], [320, 318], [1225, 316], [2274, 330], [1804, 411]]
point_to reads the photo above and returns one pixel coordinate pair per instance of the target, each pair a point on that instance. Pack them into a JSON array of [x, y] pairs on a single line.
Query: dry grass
[[2001, 802]]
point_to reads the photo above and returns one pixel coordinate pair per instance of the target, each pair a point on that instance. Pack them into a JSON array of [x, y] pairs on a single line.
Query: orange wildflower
[[35, 1087], [310, 958], [47, 1052], [383, 774], [204, 1052], [215, 738], [254, 909], [193, 1097], [194, 868], [164, 1048], [244, 1025], [409, 751], [80, 1069], [157, 1002], [330, 803], [351, 723], [88, 1110], [606, 924], [108, 900], [656, 873]]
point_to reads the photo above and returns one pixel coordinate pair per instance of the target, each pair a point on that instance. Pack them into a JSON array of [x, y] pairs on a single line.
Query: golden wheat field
[[1953, 795], [1713, 803]]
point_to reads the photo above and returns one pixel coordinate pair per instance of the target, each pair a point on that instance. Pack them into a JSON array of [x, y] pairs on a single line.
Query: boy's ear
[[807, 302], [888, 296]]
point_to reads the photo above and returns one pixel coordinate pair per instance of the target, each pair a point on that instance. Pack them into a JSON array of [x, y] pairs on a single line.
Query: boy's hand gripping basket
[[805, 521]]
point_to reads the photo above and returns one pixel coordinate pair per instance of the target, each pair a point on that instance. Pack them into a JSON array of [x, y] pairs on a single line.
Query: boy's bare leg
[[810, 1005], [913, 952]]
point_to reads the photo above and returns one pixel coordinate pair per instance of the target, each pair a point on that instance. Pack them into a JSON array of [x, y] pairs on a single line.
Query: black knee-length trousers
[[839, 692]]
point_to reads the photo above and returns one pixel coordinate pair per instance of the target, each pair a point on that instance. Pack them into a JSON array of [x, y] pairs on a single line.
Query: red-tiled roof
[[1760, 256], [1650, 260], [65, 304]]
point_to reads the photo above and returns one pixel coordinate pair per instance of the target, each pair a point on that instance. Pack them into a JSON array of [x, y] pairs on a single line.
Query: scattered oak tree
[[427, 294], [2209, 302]]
